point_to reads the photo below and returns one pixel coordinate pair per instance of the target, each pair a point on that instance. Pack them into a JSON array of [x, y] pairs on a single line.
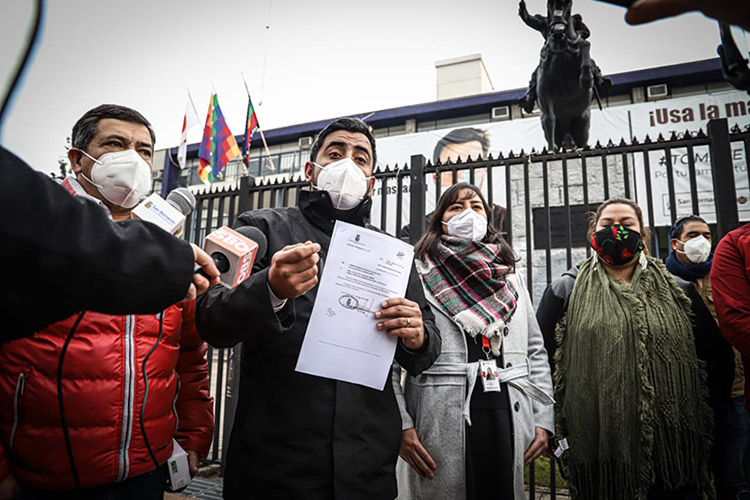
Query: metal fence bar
[[220, 218], [532, 481], [246, 195], [383, 202], [649, 201], [527, 206], [285, 195], [400, 207], [605, 176], [509, 205], [693, 181], [568, 225], [670, 183], [210, 215], [585, 188], [725, 192], [552, 480], [231, 215], [626, 175], [490, 193], [416, 215], [438, 184], [548, 217]]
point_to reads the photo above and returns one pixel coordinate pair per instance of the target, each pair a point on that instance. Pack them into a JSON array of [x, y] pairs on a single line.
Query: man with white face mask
[[298, 435], [111, 158], [690, 261], [132, 383]]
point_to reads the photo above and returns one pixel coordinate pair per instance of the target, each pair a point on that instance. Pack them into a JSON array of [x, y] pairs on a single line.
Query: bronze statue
[[566, 79]]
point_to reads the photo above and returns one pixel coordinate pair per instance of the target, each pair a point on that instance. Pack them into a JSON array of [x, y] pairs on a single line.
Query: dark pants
[[489, 454], [144, 487], [732, 449]]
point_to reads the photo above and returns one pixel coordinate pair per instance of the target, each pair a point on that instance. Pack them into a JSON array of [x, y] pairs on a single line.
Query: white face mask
[[468, 225], [345, 182], [697, 249], [123, 177]]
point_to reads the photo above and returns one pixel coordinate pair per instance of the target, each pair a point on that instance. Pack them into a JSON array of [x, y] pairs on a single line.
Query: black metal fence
[[546, 196]]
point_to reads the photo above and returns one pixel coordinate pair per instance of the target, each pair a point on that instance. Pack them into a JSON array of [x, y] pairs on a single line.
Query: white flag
[[189, 121]]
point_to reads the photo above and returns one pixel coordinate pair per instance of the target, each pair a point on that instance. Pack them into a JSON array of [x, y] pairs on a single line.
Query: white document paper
[[342, 341]]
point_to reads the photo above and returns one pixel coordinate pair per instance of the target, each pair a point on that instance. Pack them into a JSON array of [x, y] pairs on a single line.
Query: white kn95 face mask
[[468, 225], [697, 250], [344, 181], [122, 177]]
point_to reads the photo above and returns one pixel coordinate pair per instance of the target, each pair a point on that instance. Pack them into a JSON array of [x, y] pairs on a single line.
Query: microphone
[[257, 236], [182, 199], [234, 252], [167, 214]]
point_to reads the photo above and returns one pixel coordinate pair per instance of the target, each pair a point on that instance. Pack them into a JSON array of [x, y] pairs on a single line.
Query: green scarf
[[631, 394]]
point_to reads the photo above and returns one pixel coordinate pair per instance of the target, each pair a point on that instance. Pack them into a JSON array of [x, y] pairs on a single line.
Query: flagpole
[[260, 129], [192, 103]]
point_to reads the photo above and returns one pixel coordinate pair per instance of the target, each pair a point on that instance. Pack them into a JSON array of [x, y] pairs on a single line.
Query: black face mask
[[617, 245]]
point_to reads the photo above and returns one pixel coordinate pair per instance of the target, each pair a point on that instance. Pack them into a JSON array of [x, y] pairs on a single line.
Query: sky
[[303, 60]]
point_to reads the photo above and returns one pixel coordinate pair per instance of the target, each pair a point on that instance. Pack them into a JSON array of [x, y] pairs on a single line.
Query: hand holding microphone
[[228, 255], [233, 252], [205, 279]]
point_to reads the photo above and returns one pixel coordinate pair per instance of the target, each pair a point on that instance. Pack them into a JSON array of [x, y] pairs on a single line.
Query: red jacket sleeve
[[730, 281], [194, 403]]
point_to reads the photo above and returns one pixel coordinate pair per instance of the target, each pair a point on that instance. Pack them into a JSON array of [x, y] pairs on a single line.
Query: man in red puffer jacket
[[99, 422]]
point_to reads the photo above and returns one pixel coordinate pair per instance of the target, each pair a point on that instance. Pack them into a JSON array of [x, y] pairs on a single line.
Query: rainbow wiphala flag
[[218, 146]]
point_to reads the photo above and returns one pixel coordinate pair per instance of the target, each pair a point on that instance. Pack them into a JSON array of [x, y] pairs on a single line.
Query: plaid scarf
[[467, 279]]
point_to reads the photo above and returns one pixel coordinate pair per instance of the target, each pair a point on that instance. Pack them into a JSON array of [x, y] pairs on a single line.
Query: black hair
[[86, 127], [679, 225], [461, 136], [354, 125], [427, 244]]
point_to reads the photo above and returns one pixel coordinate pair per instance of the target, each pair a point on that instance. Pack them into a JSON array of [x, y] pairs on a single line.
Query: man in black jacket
[[297, 435], [63, 255], [690, 260]]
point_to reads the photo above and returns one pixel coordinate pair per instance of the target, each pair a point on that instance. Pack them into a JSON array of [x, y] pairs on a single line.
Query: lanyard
[[486, 347]]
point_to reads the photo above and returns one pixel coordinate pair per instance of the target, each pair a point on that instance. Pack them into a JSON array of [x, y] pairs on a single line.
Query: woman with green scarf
[[484, 409], [632, 414]]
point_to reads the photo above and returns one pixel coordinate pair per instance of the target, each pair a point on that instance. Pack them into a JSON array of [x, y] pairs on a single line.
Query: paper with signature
[[342, 342]]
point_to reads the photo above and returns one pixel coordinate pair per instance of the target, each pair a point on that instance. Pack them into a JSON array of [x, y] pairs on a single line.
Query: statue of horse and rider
[[566, 79]]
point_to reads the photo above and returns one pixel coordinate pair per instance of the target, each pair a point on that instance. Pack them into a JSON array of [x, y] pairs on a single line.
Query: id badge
[[488, 372]]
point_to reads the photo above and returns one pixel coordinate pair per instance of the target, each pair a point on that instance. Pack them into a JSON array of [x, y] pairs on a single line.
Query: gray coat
[[435, 402]]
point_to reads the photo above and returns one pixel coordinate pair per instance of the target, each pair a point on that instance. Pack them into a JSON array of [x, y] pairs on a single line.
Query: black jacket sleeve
[[63, 254], [552, 308], [415, 362], [228, 316], [711, 347]]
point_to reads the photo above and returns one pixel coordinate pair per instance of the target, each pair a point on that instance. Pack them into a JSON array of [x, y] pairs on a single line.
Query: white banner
[[677, 116], [615, 123], [485, 138]]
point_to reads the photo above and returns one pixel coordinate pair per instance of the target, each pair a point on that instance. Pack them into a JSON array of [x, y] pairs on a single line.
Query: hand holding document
[[342, 341]]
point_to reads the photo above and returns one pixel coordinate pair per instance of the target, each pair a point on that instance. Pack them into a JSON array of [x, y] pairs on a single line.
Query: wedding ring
[[408, 322]]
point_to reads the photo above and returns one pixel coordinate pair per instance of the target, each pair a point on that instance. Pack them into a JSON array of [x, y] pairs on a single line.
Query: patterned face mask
[[616, 245]]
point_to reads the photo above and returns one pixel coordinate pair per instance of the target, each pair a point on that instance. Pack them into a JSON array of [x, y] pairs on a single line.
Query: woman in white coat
[[484, 409]]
